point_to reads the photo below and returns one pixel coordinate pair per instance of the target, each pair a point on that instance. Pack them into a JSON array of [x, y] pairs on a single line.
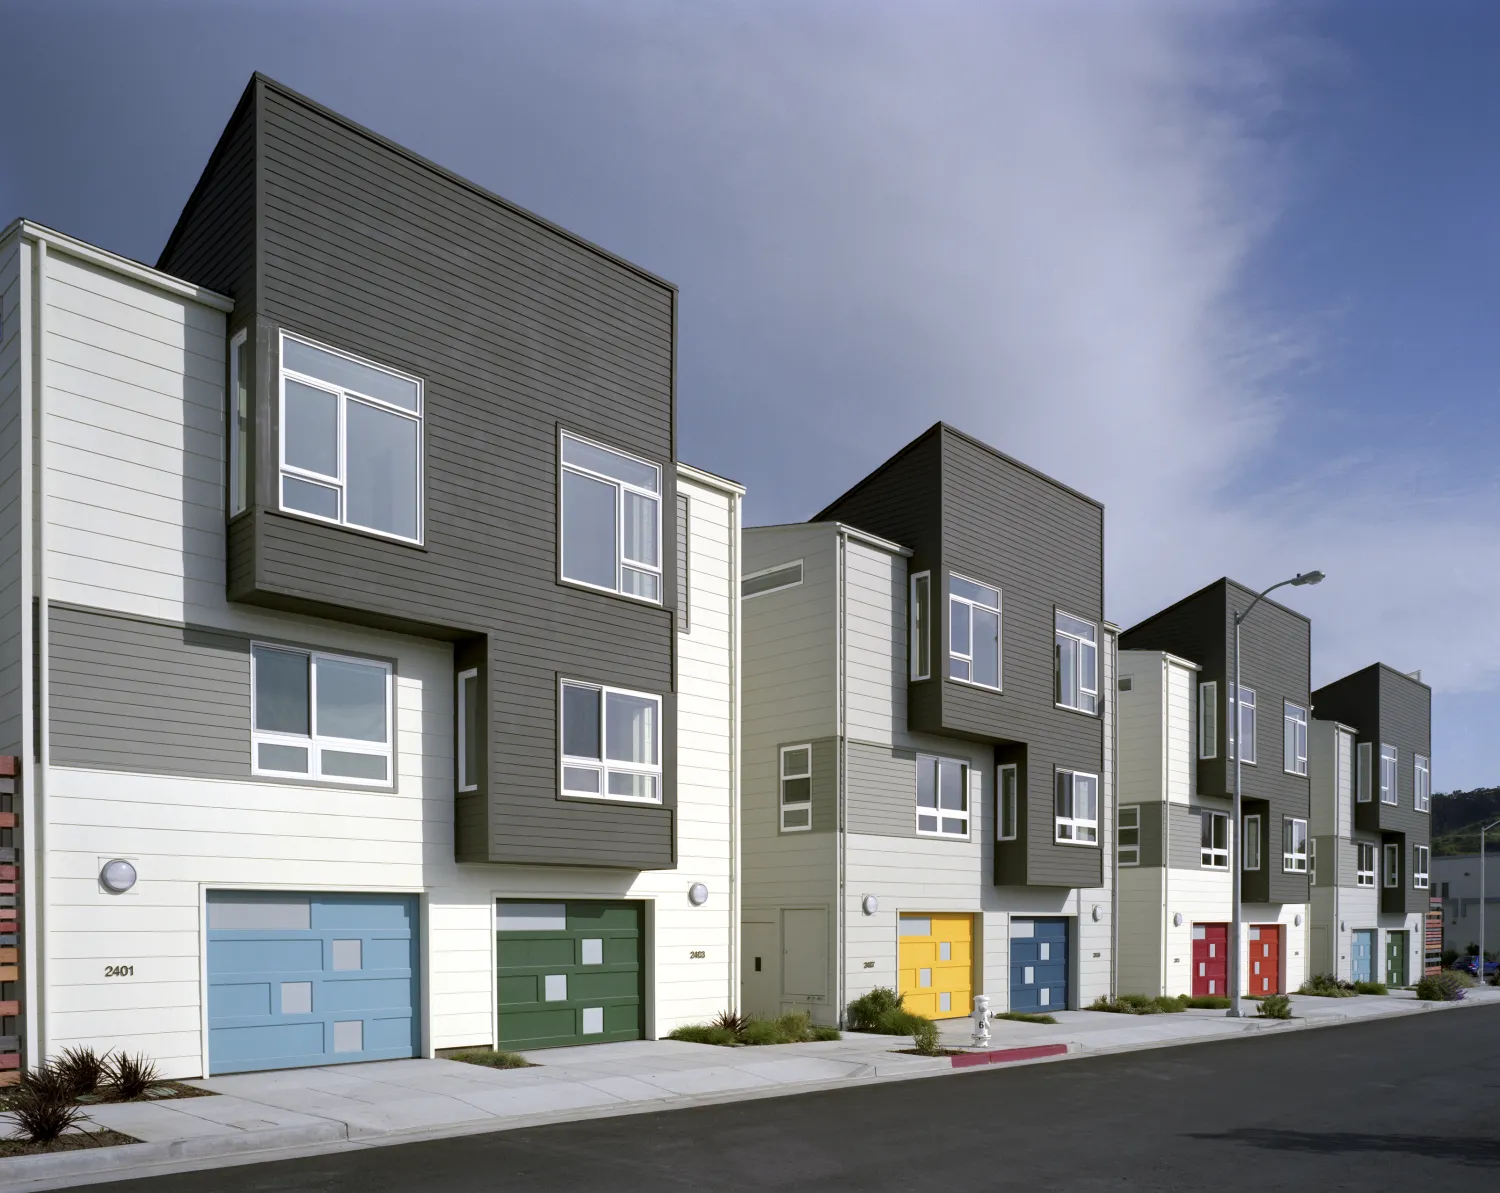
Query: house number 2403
[[119, 971]]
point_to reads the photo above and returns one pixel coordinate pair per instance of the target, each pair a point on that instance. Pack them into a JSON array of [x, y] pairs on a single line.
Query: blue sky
[[1227, 267]]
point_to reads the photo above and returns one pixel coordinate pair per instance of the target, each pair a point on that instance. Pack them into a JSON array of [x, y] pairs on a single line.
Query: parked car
[[1471, 965]]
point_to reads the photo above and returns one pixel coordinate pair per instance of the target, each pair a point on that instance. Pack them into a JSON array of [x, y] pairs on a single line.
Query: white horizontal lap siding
[[1182, 753], [1294, 940], [1200, 897], [875, 633], [10, 497], [1141, 728]]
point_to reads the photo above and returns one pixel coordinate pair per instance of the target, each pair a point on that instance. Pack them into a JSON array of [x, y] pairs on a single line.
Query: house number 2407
[[119, 971]]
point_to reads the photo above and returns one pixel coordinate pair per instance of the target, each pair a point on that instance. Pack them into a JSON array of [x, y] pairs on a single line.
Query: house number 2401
[[119, 971]]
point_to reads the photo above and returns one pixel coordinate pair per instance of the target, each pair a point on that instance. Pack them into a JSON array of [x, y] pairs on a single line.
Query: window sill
[[564, 582], [1080, 844], [323, 784], [360, 531], [1082, 712], [1298, 774], [969, 683], [943, 836], [616, 800]]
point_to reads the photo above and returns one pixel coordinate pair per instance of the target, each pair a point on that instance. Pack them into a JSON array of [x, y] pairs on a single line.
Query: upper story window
[[1419, 855], [470, 730], [973, 632], [611, 520], [1421, 783], [1208, 719], [1294, 845], [1214, 833], [796, 788], [1392, 866], [239, 423], [1364, 865], [1363, 780], [787, 575], [1006, 784], [351, 441], [1129, 817], [1246, 734], [1077, 663], [942, 797], [320, 716], [1312, 860], [1077, 808], [1252, 843], [1294, 738], [611, 743], [1388, 774], [921, 626]]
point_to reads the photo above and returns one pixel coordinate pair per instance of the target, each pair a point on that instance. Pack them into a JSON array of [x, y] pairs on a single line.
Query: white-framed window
[[320, 716], [611, 743], [1077, 650], [1364, 864], [1251, 859], [1129, 843], [796, 788], [470, 730], [1421, 783], [1007, 783], [1294, 845], [1363, 779], [1419, 855], [611, 519], [921, 626], [942, 797], [1294, 738], [1388, 774], [1246, 733], [1208, 719], [1077, 808], [1392, 868], [773, 579], [1213, 834], [351, 441], [1312, 860], [973, 632], [239, 423]]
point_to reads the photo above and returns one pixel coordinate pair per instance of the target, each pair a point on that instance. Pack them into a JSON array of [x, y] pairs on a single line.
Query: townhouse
[[371, 656], [1371, 751], [1177, 756], [927, 753]]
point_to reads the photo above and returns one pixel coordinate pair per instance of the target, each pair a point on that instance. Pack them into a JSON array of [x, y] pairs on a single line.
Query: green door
[[568, 973], [1395, 958]]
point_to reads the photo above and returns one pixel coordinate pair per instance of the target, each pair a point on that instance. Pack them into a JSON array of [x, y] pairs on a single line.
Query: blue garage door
[[299, 979], [1362, 955], [1039, 964]]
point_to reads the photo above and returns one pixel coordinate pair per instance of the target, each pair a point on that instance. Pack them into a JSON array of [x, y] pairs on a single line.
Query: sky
[[1227, 267]]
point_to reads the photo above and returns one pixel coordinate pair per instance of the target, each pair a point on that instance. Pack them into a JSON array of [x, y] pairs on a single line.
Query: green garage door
[[568, 973]]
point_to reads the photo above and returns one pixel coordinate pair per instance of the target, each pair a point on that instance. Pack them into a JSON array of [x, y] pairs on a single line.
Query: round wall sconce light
[[1097, 913], [697, 894], [869, 904], [1177, 920], [117, 876], [1297, 921], [1343, 925]]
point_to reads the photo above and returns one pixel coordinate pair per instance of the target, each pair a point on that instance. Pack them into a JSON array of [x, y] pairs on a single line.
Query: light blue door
[[1039, 964], [298, 979], [1362, 954]]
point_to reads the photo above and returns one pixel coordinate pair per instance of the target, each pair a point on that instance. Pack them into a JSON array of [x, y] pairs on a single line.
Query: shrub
[[130, 1077], [82, 1070], [491, 1058], [1327, 985], [1208, 1002], [1276, 1006], [1371, 988], [1441, 987], [42, 1106], [867, 1011], [1138, 1004], [819, 1032], [732, 1022], [1024, 1017], [924, 1038], [1464, 978], [702, 1033]]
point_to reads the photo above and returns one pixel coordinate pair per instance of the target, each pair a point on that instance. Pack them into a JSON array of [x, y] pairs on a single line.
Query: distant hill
[[1458, 816]]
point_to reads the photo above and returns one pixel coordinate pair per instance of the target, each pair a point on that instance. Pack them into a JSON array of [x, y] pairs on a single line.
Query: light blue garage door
[[299, 979], [1039, 964]]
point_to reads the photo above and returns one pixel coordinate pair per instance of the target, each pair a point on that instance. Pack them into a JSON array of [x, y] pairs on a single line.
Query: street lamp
[[1239, 750], [1480, 967]]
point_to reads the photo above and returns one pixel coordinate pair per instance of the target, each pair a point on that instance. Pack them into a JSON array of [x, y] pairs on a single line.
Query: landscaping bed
[[491, 1058], [72, 1142], [732, 1030]]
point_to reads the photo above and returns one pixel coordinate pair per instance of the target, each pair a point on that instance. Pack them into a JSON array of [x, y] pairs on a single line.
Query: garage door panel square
[[386, 1032], [593, 987], [280, 1044], [547, 952], [364, 994], [260, 955], [520, 988], [359, 913]]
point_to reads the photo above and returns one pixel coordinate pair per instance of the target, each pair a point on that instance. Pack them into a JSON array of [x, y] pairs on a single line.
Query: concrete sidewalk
[[261, 1116]]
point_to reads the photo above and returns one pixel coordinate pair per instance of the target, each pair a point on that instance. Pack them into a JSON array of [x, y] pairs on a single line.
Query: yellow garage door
[[935, 960]]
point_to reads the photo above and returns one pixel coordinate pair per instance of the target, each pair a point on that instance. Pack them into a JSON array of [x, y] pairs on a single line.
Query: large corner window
[[1077, 650], [1364, 767], [1364, 865], [1213, 853], [320, 716], [973, 632], [1252, 843], [1294, 845], [942, 797], [351, 441], [1388, 775], [1208, 719], [470, 730], [1077, 808], [611, 743], [1246, 734], [1129, 817], [1294, 738], [1421, 784], [921, 626], [239, 423], [796, 788], [1392, 865], [611, 520], [1419, 855]]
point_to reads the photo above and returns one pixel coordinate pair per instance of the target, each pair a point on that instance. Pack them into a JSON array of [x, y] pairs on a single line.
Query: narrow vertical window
[[1364, 780], [1076, 663], [973, 632], [1208, 719], [796, 788], [239, 423], [1364, 866], [470, 734], [1392, 855], [921, 626], [1252, 842], [1312, 860], [1245, 707], [1419, 854], [1129, 817], [1294, 738], [1421, 784], [1005, 797], [1388, 775]]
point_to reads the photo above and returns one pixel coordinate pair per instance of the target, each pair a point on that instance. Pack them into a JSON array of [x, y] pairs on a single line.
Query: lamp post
[[1236, 737], [1479, 970]]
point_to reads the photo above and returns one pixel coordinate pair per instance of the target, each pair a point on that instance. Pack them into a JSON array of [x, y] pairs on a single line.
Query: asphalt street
[[1402, 1104]]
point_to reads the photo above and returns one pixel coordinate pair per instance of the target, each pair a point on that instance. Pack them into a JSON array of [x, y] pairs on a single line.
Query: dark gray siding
[[517, 330], [1185, 840], [1153, 833], [146, 696], [825, 781], [882, 790]]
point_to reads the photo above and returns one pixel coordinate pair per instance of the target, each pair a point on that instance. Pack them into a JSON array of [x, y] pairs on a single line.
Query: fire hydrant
[[981, 1020]]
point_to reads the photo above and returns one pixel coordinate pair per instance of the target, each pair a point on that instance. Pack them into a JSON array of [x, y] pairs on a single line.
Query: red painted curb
[[1006, 1055]]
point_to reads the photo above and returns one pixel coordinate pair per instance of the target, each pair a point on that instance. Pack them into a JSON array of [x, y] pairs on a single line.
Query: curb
[[1004, 1056]]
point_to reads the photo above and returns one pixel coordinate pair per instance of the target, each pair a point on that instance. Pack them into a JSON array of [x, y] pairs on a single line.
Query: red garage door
[[1210, 962], [1265, 959]]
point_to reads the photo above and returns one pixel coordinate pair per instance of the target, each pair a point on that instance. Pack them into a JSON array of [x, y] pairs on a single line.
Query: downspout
[[30, 857], [1337, 934], [735, 976], [1166, 820], [840, 935], [37, 914], [1114, 811]]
